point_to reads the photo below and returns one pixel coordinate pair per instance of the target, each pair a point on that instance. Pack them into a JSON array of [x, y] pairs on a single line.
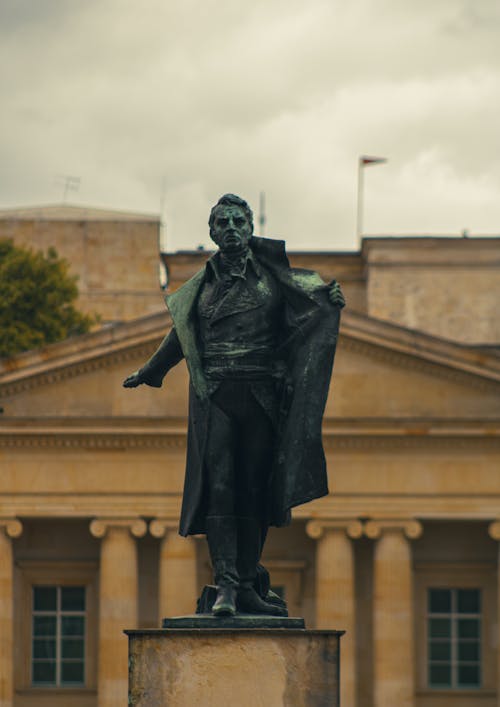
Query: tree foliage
[[36, 299]]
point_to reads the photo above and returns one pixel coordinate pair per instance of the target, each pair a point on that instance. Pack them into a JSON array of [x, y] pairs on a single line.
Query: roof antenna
[[69, 183]]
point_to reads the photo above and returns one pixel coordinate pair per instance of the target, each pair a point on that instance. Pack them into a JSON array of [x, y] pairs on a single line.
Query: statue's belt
[[259, 362]]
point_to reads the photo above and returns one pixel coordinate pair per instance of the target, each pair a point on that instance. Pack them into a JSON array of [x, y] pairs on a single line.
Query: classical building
[[114, 254], [403, 554]]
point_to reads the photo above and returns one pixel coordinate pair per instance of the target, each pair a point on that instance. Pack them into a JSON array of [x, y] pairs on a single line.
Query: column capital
[[411, 528], [316, 528], [12, 527], [494, 530], [159, 527], [100, 526]]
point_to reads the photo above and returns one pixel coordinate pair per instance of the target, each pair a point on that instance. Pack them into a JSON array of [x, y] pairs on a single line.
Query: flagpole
[[359, 218], [363, 161]]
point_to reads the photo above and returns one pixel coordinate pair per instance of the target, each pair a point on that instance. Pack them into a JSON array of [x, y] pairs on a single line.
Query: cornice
[[94, 441], [170, 433], [330, 512], [398, 442], [87, 364], [178, 442], [394, 505], [112, 507], [437, 364]]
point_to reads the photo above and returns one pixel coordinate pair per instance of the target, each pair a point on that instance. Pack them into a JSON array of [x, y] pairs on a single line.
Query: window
[[456, 631], [58, 636], [454, 637], [55, 642]]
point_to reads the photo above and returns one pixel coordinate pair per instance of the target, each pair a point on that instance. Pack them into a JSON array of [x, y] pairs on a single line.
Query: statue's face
[[231, 230]]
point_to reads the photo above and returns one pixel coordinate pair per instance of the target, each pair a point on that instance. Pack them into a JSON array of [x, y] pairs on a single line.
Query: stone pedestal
[[247, 667]]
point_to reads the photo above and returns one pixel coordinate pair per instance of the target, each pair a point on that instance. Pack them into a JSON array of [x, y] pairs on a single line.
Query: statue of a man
[[259, 339]]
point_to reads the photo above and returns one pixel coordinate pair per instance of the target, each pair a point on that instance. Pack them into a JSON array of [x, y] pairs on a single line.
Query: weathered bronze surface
[[259, 340]]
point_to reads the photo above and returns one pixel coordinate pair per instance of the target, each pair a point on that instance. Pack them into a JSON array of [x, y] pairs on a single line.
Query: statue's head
[[231, 223]]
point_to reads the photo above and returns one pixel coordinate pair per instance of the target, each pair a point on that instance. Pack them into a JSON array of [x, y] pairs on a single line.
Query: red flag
[[363, 160]]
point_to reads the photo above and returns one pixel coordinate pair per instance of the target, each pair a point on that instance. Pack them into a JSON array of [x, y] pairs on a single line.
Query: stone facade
[[91, 480], [447, 287], [114, 254]]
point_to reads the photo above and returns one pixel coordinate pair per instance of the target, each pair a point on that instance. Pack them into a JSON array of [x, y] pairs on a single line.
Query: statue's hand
[[133, 380], [336, 296]]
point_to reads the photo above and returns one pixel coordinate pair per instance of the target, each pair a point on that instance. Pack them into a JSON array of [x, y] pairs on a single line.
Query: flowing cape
[[297, 468]]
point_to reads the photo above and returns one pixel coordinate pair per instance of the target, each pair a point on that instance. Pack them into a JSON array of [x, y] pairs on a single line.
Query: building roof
[[67, 212]]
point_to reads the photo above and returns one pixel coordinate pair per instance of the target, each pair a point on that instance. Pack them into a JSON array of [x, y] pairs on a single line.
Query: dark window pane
[[440, 675], [44, 672], [469, 601], [72, 625], [44, 625], [439, 601], [73, 598], [468, 675], [71, 673], [440, 650], [44, 648], [468, 628], [44, 598], [468, 651], [439, 628], [72, 648]]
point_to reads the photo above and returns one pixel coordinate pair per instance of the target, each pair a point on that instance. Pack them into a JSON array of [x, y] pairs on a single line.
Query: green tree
[[36, 299]]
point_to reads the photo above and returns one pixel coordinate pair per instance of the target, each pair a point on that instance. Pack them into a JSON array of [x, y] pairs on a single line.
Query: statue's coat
[[309, 339]]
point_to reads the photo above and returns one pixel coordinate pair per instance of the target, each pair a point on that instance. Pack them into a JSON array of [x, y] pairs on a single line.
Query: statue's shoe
[[273, 598], [249, 602], [225, 603]]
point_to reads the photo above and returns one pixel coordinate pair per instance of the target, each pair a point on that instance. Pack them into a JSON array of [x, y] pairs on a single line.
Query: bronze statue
[[259, 340]]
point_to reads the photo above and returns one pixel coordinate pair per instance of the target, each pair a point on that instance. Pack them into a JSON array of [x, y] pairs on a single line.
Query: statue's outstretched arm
[[166, 356], [335, 294]]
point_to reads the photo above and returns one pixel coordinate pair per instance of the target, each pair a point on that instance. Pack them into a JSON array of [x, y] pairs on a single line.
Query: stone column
[[118, 603], [494, 531], [9, 528], [335, 591], [393, 634], [177, 576]]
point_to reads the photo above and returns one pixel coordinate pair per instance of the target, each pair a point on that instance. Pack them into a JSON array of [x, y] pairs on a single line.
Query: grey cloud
[[273, 95]]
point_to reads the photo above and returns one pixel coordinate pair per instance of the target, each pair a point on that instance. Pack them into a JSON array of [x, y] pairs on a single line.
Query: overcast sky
[[210, 96]]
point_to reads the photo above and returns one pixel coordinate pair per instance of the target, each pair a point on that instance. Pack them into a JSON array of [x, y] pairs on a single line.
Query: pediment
[[381, 371], [386, 371], [82, 377]]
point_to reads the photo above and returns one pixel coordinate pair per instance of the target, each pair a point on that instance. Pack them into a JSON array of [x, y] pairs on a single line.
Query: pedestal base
[[236, 621], [247, 667]]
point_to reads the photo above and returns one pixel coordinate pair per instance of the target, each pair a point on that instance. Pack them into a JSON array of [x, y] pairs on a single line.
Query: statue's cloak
[[298, 467]]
